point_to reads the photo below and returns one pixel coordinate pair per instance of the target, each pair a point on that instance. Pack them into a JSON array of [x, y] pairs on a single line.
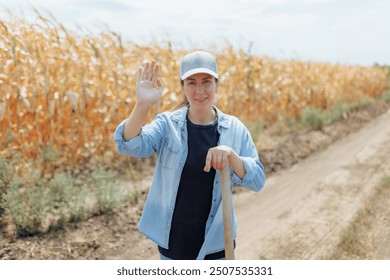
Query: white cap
[[198, 62]]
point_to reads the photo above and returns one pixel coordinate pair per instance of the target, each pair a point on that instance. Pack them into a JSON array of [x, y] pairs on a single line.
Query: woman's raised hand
[[149, 86]]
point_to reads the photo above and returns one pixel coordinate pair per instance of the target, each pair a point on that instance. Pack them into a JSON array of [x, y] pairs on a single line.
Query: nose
[[199, 88]]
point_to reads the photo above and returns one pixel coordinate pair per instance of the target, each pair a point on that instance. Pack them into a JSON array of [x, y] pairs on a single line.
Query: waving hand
[[149, 86]]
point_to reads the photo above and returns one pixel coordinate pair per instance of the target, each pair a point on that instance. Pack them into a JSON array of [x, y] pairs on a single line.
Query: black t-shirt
[[193, 201]]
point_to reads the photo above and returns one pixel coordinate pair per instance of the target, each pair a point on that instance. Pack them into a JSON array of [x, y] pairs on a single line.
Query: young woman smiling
[[182, 213]]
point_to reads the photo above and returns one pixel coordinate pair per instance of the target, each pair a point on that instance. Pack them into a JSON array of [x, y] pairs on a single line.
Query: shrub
[[107, 191], [386, 96], [313, 117]]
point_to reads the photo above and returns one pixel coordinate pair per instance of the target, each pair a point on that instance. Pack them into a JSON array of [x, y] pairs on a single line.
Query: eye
[[206, 83]]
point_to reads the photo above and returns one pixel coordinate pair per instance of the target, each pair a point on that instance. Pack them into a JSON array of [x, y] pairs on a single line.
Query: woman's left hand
[[217, 157]]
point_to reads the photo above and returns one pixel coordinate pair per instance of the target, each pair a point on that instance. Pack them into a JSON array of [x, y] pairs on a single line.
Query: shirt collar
[[180, 115]]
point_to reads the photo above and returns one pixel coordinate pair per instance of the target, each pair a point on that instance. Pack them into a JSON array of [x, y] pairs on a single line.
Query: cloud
[[354, 30]]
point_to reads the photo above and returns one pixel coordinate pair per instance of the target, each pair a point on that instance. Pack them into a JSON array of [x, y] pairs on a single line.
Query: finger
[[159, 87], [150, 71], [208, 162], [159, 84], [224, 161], [145, 71], [155, 73], [139, 75], [218, 161]]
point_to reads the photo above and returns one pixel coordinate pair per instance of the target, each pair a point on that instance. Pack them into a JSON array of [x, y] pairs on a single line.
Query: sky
[[355, 32]]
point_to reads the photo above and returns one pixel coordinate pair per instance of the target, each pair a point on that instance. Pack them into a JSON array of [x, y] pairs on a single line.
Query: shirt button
[[216, 181], [211, 216]]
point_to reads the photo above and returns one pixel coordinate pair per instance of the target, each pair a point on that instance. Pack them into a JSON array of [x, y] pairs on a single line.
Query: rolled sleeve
[[146, 143], [254, 174], [118, 134], [126, 148]]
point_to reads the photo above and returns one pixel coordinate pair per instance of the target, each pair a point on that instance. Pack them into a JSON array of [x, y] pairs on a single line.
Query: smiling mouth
[[201, 100]]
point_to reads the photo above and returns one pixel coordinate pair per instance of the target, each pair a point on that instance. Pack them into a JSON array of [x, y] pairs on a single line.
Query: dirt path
[[301, 212]]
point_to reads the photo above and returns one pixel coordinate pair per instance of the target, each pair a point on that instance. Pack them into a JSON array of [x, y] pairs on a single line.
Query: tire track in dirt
[[301, 212]]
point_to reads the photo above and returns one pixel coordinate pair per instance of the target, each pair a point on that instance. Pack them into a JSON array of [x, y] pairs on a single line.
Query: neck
[[202, 117]]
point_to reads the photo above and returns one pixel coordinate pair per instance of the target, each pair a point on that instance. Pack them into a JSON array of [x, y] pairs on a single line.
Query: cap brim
[[197, 71]]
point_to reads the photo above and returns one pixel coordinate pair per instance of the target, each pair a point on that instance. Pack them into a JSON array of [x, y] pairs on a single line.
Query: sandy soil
[[301, 212], [317, 181]]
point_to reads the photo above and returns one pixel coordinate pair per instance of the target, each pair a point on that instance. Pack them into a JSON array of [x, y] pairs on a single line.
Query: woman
[[183, 210]]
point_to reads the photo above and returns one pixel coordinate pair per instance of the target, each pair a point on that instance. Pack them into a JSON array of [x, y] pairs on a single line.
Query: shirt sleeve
[[254, 178], [146, 143]]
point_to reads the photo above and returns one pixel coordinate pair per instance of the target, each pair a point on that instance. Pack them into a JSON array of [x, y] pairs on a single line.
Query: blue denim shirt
[[166, 135]]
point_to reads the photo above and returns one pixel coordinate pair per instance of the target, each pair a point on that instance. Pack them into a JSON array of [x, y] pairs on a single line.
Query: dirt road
[[301, 212]]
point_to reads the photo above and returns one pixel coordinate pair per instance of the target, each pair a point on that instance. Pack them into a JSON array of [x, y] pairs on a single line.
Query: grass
[[310, 118], [356, 242], [255, 128], [313, 118], [36, 205], [386, 96], [316, 118], [384, 184], [352, 244]]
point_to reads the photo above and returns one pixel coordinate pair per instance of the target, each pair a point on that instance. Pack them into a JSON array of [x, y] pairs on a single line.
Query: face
[[200, 90]]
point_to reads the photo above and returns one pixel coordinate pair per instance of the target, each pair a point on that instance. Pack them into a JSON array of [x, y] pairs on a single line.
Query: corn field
[[67, 92]]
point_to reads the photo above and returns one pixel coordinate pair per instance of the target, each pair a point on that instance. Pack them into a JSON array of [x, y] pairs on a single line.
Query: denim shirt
[[166, 135]]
